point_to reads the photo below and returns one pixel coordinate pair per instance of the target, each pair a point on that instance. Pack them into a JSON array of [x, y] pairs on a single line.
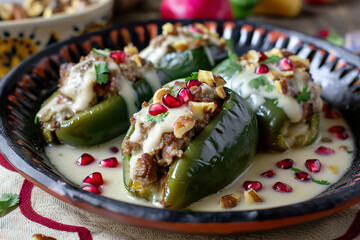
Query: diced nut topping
[[199, 108], [343, 147], [220, 92], [168, 28], [159, 94], [138, 61], [287, 74], [39, 236], [251, 66], [251, 196], [274, 52], [219, 80], [326, 140], [229, 201], [181, 45], [281, 86], [274, 75], [334, 169], [182, 125], [202, 27], [131, 50], [253, 56], [299, 62], [206, 77]]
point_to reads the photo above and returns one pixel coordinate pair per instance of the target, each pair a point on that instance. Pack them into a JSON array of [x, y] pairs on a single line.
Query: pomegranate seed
[[262, 69], [94, 179], [285, 164], [156, 109], [323, 33], [185, 95], [93, 189], [268, 174], [326, 108], [119, 57], [324, 151], [256, 185], [342, 136], [313, 165], [263, 57], [195, 29], [171, 101], [192, 83], [114, 149], [332, 115], [303, 176], [109, 162], [285, 64], [337, 129], [85, 159], [282, 187]]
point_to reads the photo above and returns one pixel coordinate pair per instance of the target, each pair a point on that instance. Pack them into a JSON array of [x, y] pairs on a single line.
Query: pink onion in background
[[190, 9]]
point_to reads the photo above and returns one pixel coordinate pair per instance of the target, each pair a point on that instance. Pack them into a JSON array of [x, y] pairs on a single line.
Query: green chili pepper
[[272, 120], [104, 121], [242, 8], [273, 123], [213, 159], [181, 64]]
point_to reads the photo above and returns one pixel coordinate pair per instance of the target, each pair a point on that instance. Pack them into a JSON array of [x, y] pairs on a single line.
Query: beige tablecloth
[[42, 207]]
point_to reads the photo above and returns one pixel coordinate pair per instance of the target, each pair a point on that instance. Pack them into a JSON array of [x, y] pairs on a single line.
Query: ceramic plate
[[24, 89]]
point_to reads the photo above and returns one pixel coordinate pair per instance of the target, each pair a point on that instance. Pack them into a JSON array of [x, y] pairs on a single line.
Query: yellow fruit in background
[[285, 8]]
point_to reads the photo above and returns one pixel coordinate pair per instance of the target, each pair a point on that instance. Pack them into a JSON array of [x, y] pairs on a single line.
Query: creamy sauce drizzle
[[64, 158], [291, 107]]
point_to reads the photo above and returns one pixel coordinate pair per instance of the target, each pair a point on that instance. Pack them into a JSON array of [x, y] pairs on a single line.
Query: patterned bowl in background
[[20, 39]]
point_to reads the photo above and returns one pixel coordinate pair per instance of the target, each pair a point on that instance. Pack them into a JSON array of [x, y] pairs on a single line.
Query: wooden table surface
[[342, 16]]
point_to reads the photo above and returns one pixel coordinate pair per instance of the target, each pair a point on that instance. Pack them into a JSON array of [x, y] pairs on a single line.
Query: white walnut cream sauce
[[333, 167]]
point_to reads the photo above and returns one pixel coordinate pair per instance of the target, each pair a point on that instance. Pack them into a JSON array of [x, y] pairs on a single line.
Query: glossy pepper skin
[[272, 120], [181, 64], [213, 159], [103, 122]]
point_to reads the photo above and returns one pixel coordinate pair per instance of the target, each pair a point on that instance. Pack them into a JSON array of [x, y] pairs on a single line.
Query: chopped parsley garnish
[[272, 59], [276, 101], [349, 151], [102, 73], [269, 88], [97, 52], [174, 92], [232, 57], [230, 45], [296, 169], [304, 95], [8, 200], [196, 37], [194, 75], [257, 82], [158, 118], [321, 182]]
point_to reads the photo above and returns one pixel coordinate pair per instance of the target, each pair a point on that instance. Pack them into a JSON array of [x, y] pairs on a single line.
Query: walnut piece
[[251, 196], [182, 125], [229, 201]]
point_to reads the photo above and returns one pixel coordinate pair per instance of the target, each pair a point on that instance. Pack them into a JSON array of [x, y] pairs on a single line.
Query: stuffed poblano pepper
[[192, 140], [279, 88], [182, 50], [97, 96]]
